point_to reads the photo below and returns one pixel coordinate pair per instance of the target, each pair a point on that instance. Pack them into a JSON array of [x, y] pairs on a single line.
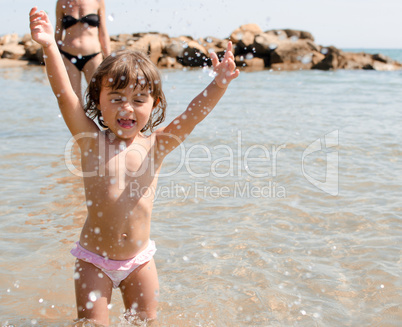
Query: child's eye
[[116, 100]]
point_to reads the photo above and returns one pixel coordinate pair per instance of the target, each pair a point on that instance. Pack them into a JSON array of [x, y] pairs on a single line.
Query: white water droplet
[[94, 295], [306, 59]]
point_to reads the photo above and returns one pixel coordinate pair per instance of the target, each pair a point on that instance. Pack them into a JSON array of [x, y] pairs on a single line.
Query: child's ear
[[156, 102]]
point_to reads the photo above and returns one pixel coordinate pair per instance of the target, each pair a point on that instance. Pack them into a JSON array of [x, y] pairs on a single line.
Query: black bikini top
[[91, 20]]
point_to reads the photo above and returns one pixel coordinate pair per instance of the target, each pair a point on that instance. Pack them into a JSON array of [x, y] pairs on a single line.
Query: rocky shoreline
[[253, 49]]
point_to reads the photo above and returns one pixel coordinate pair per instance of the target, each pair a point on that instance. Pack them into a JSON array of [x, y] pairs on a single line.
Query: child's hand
[[41, 28], [224, 70]]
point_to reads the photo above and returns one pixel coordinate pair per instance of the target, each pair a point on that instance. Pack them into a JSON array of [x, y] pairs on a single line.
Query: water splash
[[324, 51], [294, 38]]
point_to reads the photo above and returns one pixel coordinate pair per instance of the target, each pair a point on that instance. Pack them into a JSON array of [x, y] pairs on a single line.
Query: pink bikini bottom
[[116, 270]]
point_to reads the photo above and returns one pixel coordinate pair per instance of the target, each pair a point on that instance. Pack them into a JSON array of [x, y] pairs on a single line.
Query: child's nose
[[127, 107]]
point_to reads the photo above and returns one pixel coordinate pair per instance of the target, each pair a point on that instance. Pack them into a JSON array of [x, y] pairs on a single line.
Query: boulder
[[116, 46], [213, 44], [124, 38], [26, 39], [156, 44], [382, 66], [245, 34], [278, 49], [169, 62], [264, 43], [300, 51], [174, 48], [152, 44], [380, 57], [194, 54], [193, 57], [12, 51], [33, 52], [250, 62], [337, 59], [9, 39], [351, 60], [330, 60], [296, 34], [280, 34]]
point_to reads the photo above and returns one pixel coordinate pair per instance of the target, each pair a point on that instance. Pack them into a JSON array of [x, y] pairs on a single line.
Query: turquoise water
[[248, 233]]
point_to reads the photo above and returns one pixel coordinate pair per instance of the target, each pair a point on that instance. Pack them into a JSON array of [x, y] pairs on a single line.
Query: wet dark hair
[[119, 70]]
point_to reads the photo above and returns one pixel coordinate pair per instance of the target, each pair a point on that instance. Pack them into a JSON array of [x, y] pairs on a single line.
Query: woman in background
[[82, 38]]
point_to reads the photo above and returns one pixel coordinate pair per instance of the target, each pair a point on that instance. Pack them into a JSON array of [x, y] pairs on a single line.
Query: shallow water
[[244, 238]]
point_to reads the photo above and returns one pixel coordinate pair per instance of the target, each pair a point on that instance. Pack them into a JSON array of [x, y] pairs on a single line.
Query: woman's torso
[[81, 37]]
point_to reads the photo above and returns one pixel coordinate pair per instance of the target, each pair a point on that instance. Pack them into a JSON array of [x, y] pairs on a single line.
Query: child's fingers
[[35, 21], [37, 16], [229, 53], [33, 10], [235, 74], [230, 47], [214, 58]]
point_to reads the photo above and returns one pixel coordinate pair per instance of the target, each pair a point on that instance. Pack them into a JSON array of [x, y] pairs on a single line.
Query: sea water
[[283, 208]]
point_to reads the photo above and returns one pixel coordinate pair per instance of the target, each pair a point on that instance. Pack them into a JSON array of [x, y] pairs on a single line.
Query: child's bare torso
[[120, 180]]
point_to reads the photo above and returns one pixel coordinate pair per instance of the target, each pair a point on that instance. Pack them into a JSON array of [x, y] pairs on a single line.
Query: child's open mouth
[[126, 123]]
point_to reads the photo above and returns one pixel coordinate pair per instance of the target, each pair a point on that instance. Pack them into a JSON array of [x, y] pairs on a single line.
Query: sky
[[341, 23]]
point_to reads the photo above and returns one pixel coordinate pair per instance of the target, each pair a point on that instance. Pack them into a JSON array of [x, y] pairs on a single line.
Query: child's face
[[125, 111]]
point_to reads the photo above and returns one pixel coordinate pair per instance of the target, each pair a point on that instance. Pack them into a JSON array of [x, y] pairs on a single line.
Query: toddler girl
[[125, 96]]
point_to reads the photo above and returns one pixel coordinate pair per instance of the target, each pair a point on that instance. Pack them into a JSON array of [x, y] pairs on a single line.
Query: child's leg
[[93, 291], [140, 291]]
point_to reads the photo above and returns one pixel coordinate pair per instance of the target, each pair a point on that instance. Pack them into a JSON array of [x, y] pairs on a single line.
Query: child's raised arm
[[172, 135], [69, 104]]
